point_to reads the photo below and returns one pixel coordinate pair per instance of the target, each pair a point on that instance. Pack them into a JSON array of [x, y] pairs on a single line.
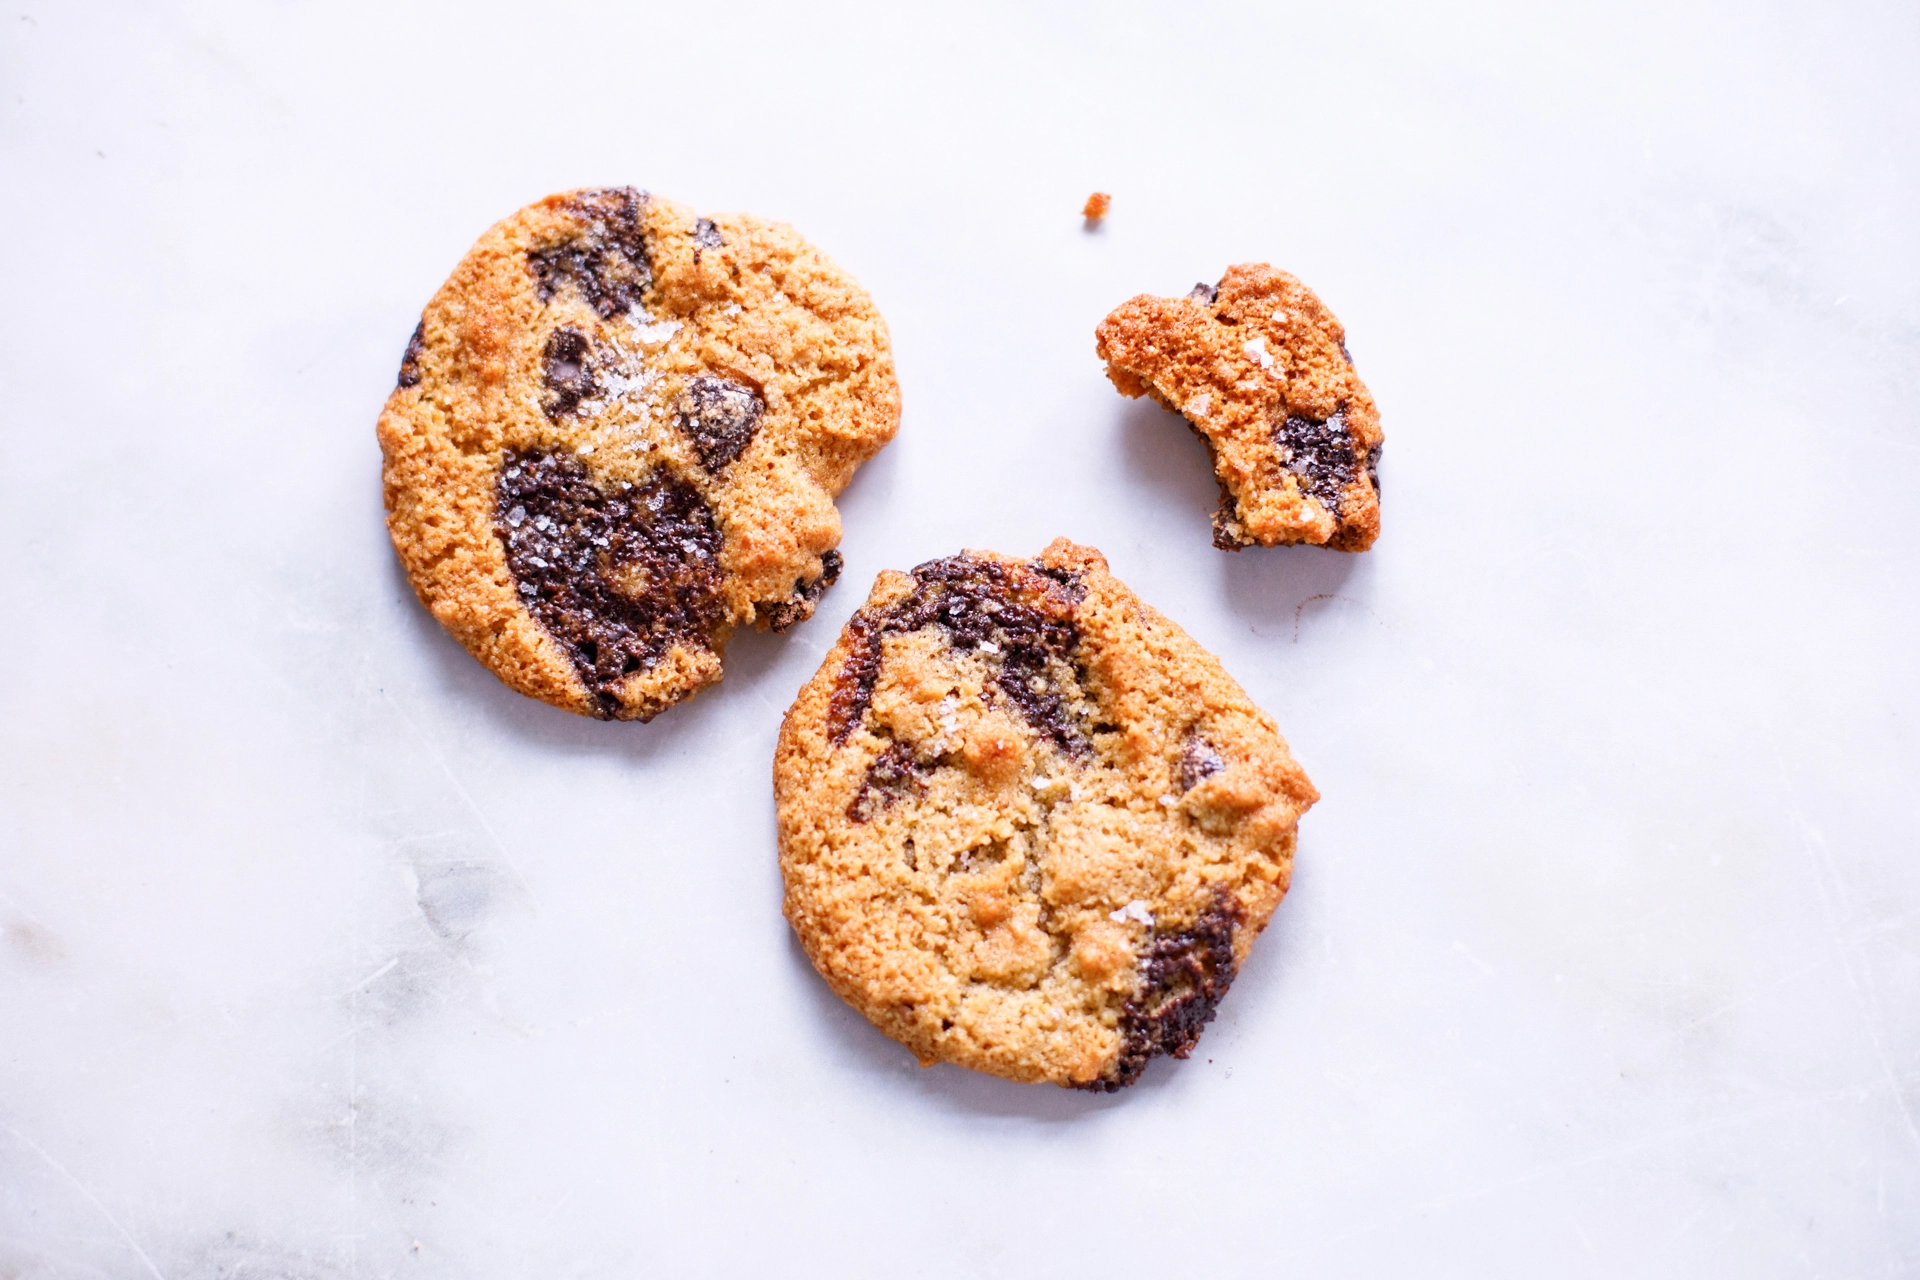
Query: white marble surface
[[323, 955]]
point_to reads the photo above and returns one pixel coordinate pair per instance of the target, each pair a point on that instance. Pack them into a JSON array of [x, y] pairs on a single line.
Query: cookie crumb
[[1096, 206]]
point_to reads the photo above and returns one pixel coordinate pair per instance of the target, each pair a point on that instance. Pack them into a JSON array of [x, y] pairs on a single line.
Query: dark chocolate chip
[[1204, 293], [1346, 354], [606, 256], [1183, 976], [799, 607], [1027, 618], [1076, 590], [720, 417], [410, 362], [1198, 762], [569, 372], [1373, 469], [617, 578], [894, 773], [859, 670], [1320, 452], [706, 235], [1224, 517]]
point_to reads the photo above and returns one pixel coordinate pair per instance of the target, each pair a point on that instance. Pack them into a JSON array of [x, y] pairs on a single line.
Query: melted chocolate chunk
[[1224, 538], [1022, 616], [1198, 762], [410, 362], [569, 374], [706, 236], [618, 578], [859, 670], [805, 595], [1076, 590], [720, 418], [1320, 452], [605, 258], [894, 773], [1204, 293], [1183, 976], [1373, 469]]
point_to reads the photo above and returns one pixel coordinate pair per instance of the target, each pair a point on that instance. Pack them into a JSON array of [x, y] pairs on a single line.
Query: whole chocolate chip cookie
[[1026, 824], [617, 435], [1259, 368]]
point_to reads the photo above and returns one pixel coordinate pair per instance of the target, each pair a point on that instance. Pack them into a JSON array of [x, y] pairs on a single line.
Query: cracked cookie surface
[[617, 435], [1259, 369], [1027, 825]]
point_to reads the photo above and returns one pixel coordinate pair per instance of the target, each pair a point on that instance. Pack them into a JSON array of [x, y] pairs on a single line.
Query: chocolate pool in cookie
[[1026, 824], [1259, 368], [618, 433]]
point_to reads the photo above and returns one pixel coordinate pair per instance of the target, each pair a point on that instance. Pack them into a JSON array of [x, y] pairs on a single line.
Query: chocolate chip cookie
[[1259, 368], [617, 435], [1026, 824]]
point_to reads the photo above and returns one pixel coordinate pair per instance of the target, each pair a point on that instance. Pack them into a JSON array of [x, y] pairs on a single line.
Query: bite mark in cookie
[[1259, 368], [1026, 824]]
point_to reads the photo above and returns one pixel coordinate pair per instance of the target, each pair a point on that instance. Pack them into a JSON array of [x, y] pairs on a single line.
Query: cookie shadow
[[869, 491], [459, 678], [1165, 458], [863, 1049], [1267, 587], [1270, 588]]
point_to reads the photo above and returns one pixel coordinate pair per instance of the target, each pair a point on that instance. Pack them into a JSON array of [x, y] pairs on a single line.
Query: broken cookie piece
[[1259, 368]]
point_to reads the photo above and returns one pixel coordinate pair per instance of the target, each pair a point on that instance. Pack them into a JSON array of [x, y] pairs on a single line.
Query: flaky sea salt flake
[[656, 334]]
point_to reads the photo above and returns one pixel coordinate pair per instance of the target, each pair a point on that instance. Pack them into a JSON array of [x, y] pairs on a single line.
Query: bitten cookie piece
[[618, 433], [1259, 368], [1026, 824]]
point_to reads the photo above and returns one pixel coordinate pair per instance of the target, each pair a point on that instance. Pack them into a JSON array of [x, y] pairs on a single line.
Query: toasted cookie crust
[[617, 435], [1026, 824], [1259, 368]]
